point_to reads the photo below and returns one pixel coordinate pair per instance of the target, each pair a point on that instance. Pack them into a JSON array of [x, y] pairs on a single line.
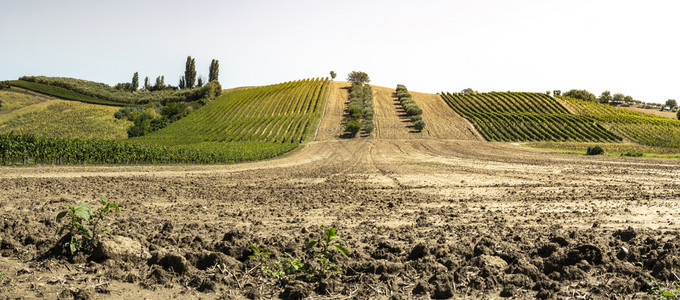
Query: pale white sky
[[632, 47]]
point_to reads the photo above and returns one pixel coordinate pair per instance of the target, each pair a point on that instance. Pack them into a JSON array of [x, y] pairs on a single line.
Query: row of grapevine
[[642, 128], [526, 117], [29, 149], [360, 108], [415, 114]]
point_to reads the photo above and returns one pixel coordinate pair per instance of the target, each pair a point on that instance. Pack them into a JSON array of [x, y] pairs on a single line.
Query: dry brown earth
[[427, 217]]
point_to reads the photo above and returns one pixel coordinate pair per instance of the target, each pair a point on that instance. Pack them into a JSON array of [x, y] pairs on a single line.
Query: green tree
[[618, 98], [628, 99], [160, 83], [147, 85], [557, 93], [200, 81], [605, 97], [678, 115], [357, 76], [190, 73], [333, 75], [182, 83], [214, 70], [135, 81], [580, 94], [671, 104], [468, 91]]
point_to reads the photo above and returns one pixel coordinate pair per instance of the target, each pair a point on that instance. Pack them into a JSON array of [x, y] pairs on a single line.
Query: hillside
[[639, 127], [511, 117], [389, 118], [40, 115]]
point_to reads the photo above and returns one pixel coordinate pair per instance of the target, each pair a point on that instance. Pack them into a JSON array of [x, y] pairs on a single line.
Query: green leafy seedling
[[322, 249], [82, 224]]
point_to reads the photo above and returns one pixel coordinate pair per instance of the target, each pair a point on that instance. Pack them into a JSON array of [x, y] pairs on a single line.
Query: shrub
[[413, 110], [4, 85], [632, 154], [355, 112], [419, 125], [594, 150], [352, 127], [368, 127]]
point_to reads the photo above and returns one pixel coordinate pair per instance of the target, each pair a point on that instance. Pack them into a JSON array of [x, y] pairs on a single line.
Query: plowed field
[[425, 215]]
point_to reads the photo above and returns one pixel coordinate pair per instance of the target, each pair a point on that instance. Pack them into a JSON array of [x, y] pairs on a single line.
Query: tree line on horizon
[[188, 81]]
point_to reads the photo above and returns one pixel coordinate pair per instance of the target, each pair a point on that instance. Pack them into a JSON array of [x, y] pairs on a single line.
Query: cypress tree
[[190, 73], [182, 83], [135, 81], [214, 70]]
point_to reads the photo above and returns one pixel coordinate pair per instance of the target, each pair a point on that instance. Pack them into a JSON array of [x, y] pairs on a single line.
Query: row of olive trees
[[415, 114], [360, 108]]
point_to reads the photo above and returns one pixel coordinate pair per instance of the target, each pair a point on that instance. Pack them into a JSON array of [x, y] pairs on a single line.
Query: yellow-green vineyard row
[[247, 124], [525, 117], [642, 128]]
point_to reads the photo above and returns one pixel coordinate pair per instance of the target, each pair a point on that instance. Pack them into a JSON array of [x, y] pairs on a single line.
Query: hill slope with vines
[[642, 128], [511, 116]]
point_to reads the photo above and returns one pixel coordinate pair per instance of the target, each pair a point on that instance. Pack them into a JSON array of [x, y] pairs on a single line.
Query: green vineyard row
[[515, 116]]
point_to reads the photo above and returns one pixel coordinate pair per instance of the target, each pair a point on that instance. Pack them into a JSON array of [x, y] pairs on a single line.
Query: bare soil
[[423, 217]]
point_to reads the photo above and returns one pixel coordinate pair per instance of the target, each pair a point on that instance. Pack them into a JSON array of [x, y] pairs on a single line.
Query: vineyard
[[246, 124], [511, 116], [25, 113], [281, 113], [642, 128]]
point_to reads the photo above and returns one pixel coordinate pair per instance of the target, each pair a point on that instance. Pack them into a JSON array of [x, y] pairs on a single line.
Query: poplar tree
[[135, 81], [147, 85], [214, 70], [190, 73]]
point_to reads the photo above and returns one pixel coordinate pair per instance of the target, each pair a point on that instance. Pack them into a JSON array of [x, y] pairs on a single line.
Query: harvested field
[[423, 217]]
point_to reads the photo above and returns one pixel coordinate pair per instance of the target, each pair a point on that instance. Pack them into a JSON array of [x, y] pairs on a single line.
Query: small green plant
[[594, 150], [661, 293], [322, 249], [82, 225], [2, 274], [276, 268]]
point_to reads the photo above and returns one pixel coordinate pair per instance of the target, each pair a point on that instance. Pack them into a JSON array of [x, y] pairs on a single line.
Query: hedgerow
[[100, 91]]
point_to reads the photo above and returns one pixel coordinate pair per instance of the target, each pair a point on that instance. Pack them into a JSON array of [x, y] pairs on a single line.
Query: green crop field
[[510, 116], [244, 124], [638, 127], [40, 116]]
